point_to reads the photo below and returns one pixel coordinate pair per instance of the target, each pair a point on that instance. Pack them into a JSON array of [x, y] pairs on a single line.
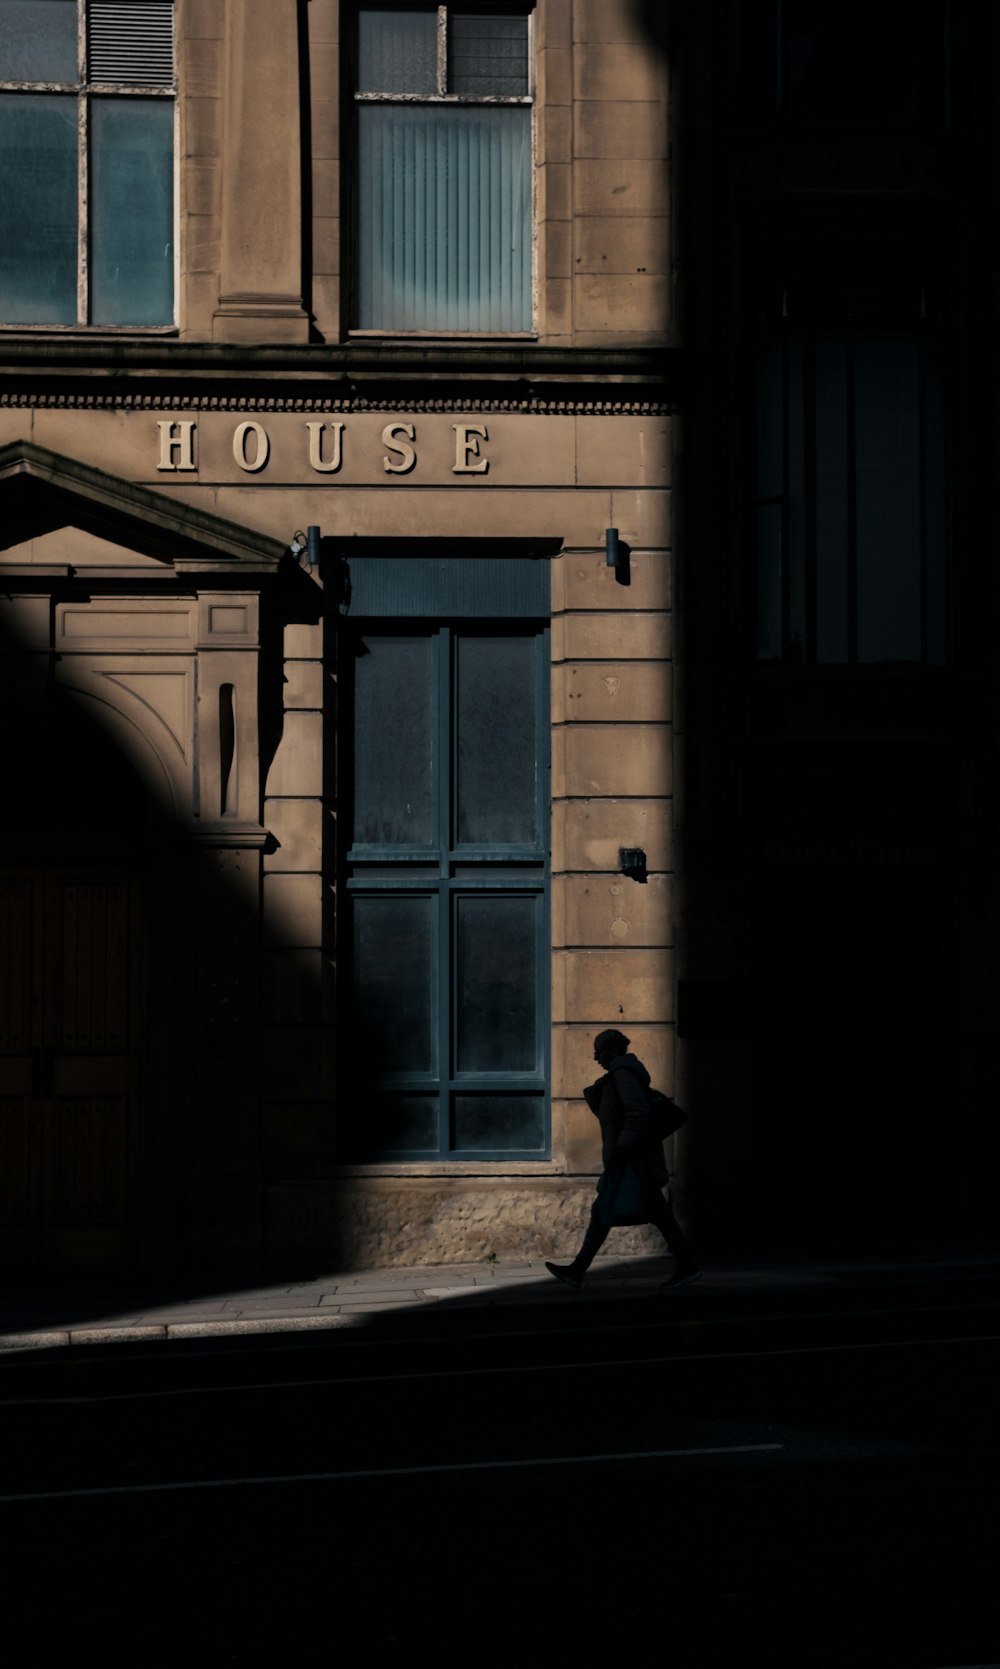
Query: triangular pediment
[[59, 515]]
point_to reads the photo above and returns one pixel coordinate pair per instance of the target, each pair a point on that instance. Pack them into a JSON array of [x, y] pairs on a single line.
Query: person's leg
[[593, 1240], [658, 1211]]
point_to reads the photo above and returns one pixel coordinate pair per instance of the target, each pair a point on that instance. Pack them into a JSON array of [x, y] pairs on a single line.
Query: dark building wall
[[837, 956]]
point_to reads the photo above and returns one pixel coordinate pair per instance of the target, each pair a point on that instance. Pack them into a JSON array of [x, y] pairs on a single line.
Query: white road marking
[[385, 1472]]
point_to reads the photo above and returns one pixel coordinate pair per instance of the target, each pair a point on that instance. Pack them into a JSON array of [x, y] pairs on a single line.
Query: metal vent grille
[[131, 42]]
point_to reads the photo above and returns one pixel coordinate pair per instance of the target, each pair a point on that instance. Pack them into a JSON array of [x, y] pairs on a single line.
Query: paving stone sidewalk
[[97, 1313]]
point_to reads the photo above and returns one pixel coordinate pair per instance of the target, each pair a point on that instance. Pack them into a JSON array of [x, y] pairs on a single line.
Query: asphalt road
[[818, 1508]]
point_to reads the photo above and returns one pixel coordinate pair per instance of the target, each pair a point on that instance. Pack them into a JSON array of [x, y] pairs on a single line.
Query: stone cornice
[[176, 376]]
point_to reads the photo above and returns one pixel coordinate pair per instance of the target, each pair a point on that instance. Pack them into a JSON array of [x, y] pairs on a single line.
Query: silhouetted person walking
[[631, 1187]]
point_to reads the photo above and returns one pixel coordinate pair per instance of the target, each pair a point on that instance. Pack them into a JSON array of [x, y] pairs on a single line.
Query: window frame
[[83, 91], [441, 98], [766, 46], [445, 873]]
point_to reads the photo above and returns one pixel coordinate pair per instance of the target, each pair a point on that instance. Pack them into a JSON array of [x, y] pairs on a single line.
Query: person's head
[[608, 1046]]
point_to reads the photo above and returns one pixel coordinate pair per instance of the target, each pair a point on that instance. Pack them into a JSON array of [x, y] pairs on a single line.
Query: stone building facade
[[497, 543], [337, 609]]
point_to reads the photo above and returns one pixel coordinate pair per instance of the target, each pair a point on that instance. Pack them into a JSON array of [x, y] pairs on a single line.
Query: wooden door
[[69, 1032]]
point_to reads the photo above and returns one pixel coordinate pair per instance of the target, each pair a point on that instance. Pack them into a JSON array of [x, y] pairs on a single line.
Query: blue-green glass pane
[[444, 227], [394, 1124], [487, 54], [394, 983], [38, 209], [132, 212], [497, 984], [500, 1123], [397, 51], [497, 749], [394, 742], [38, 40]]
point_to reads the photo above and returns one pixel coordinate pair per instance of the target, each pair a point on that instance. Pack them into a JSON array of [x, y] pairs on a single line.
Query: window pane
[[769, 645], [130, 42], [795, 556], [936, 511], [887, 420], [132, 212], [444, 239], [38, 40], [496, 985], [397, 51], [497, 769], [394, 982], [858, 65], [487, 54], [38, 209], [394, 1124], [770, 496], [832, 500], [505, 1122], [394, 753]]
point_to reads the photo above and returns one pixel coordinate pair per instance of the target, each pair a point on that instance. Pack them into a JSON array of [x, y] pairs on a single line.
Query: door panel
[[447, 879], [68, 1055]]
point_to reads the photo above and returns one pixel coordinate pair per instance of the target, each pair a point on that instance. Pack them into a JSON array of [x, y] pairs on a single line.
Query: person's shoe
[[566, 1273], [681, 1278]]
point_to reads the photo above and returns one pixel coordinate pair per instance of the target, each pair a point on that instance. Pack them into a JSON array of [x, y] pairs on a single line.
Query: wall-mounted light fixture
[[309, 541], [616, 554], [632, 861]]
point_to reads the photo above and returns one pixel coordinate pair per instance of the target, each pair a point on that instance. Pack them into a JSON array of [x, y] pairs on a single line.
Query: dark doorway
[[70, 993], [69, 1028], [855, 1105]]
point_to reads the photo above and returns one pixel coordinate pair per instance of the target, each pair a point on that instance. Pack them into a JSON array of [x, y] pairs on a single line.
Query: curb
[[109, 1360]]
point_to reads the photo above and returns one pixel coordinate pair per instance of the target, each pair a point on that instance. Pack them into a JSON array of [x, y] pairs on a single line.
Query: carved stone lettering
[[324, 450], [467, 438], [407, 455], [240, 447], [176, 444], [329, 465]]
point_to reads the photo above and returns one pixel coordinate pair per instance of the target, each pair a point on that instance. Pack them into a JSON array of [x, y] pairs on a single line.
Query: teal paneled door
[[447, 881]]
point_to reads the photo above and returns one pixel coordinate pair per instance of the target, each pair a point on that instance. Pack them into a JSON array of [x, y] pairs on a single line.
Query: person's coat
[[620, 1101]]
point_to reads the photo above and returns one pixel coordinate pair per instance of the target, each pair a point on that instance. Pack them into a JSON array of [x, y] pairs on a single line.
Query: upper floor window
[[87, 151], [443, 223], [848, 63], [851, 500]]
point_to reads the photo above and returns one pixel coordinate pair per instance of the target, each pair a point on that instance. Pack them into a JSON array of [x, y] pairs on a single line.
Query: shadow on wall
[[137, 1048]]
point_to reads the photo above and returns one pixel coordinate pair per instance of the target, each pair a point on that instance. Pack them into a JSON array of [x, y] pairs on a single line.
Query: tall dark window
[[848, 63], [443, 224], [87, 151], [447, 886], [851, 500]]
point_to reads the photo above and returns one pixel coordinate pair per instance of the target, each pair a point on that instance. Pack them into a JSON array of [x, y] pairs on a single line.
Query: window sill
[[459, 337], [452, 1167], [90, 331]]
